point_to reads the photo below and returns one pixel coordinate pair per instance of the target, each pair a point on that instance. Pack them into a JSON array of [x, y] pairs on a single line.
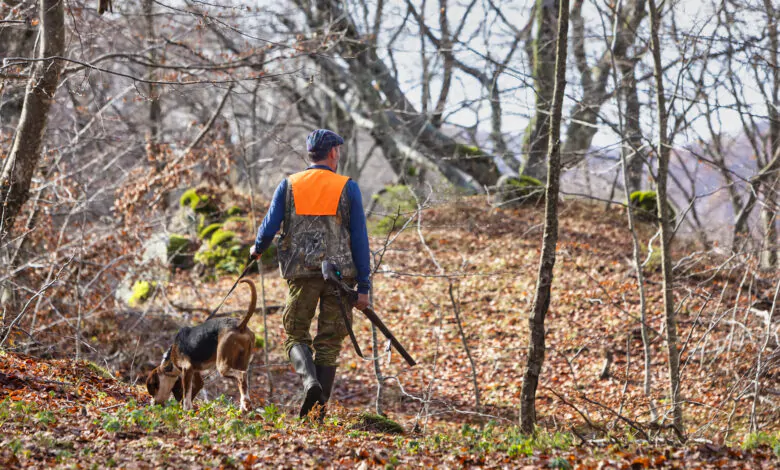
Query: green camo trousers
[[302, 299]]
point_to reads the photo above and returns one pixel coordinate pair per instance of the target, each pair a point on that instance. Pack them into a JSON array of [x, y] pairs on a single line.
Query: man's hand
[[252, 254], [362, 301]]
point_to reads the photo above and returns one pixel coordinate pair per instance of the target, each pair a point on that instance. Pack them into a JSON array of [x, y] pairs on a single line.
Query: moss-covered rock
[[391, 200], [200, 201], [206, 232], [221, 237], [142, 290], [373, 422], [235, 210], [470, 150], [179, 251], [189, 199], [513, 191], [646, 205]]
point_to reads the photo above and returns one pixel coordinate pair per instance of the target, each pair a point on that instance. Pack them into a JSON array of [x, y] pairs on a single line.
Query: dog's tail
[[252, 304]]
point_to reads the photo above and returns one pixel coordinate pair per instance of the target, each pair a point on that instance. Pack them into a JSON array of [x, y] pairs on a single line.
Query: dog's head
[[164, 380]]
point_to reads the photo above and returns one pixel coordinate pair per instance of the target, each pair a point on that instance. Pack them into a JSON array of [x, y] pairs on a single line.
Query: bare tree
[[542, 295], [664, 216], [22, 161]]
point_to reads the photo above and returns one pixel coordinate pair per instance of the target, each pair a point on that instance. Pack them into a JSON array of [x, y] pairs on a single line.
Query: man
[[321, 213]]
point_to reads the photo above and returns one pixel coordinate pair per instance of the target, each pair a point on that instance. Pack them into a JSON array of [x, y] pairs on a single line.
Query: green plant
[[271, 413], [754, 440], [45, 418], [141, 292], [234, 210]]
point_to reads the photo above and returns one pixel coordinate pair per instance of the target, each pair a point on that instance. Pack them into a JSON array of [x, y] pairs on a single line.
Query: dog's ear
[[197, 384], [153, 383], [178, 390]]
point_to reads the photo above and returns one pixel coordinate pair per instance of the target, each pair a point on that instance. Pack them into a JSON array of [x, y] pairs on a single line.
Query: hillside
[[465, 258]]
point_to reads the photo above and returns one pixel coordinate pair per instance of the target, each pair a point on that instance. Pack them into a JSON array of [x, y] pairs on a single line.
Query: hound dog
[[221, 342]]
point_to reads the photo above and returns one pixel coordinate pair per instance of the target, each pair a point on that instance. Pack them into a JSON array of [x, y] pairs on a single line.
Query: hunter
[[321, 216]]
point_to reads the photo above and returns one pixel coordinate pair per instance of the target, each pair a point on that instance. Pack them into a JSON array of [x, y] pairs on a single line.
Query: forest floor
[[469, 265]]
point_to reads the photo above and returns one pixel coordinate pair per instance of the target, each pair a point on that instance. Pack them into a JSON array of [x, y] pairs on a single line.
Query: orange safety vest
[[316, 225], [317, 191]]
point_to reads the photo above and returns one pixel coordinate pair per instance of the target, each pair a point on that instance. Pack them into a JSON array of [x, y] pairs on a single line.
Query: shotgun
[[332, 275]]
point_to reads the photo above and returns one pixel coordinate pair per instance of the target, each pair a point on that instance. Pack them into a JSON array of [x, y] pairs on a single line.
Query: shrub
[[647, 204], [141, 292]]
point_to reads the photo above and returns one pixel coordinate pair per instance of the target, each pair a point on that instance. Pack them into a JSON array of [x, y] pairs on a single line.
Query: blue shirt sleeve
[[359, 237], [273, 219]]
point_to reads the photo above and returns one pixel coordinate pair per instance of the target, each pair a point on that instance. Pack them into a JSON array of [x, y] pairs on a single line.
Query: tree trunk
[[538, 131], [362, 59], [633, 151], [583, 123], [155, 112], [18, 168], [769, 210], [666, 228], [541, 301]]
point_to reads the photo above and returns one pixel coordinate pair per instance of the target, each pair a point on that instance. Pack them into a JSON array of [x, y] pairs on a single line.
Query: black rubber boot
[[326, 376], [301, 359]]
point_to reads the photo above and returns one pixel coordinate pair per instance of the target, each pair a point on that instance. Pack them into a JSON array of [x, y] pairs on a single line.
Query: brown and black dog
[[221, 342]]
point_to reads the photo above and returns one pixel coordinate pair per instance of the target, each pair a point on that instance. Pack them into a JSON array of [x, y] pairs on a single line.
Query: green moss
[[220, 237], [207, 231], [228, 258], [525, 181], [200, 203], [647, 203], [234, 210], [141, 292], [519, 190], [394, 199], [470, 150], [177, 244], [259, 341], [189, 199], [377, 423]]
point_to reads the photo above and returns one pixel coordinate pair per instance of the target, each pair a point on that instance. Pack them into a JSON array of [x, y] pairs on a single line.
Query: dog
[[221, 342]]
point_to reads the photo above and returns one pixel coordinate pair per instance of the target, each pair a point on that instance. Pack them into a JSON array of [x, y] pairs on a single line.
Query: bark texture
[[670, 316], [18, 168], [542, 295]]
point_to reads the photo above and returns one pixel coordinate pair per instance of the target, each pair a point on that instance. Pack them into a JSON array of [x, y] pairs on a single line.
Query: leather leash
[[243, 273]]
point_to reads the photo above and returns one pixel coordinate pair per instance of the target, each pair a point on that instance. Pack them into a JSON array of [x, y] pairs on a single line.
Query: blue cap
[[321, 141]]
